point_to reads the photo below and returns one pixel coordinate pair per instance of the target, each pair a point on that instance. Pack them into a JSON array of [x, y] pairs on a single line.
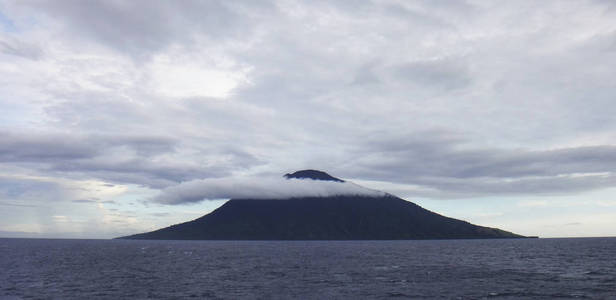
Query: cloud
[[144, 160], [439, 74], [159, 214], [16, 204], [258, 188], [144, 27], [344, 107], [85, 201], [444, 99], [21, 49], [45, 147], [442, 164], [24, 191]]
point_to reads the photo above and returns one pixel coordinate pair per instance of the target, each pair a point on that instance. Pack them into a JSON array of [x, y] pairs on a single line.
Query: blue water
[[449, 269]]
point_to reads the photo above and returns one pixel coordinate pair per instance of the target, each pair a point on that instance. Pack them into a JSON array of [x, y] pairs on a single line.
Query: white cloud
[[181, 77], [258, 188]]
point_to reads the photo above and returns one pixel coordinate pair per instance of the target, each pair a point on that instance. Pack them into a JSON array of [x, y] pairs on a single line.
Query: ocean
[[572, 268]]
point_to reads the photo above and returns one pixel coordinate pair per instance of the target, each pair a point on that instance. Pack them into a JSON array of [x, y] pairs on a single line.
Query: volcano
[[339, 217]]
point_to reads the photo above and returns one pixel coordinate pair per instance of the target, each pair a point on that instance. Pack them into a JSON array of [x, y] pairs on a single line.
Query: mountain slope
[[323, 218]]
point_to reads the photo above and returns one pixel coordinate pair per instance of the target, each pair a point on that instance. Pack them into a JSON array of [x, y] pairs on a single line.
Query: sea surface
[[583, 268]]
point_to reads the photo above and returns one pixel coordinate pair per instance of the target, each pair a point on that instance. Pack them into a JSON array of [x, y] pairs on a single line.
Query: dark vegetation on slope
[[324, 218]]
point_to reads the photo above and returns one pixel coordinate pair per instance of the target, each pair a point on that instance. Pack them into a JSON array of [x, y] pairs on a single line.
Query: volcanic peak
[[312, 174]]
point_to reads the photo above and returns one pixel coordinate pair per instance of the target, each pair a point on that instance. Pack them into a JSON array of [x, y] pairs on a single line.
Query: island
[[339, 217]]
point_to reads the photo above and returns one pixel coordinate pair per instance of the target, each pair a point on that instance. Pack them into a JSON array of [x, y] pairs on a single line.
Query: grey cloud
[[444, 74], [17, 147], [144, 27], [445, 164], [366, 75], [145, 145], [341, 86], [93, 200], [136, 170], [21, 49], [83, 201], [320, 83], [111, 108], [546, 185], [417, 18], [16, 204], [149, 161], [160, 214], [49, 147]]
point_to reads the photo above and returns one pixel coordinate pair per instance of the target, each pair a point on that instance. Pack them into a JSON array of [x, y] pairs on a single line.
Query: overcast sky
[[501, 113]]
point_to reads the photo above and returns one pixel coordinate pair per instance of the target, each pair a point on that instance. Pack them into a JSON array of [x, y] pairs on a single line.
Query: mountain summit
[[338, 217], [312, 174]]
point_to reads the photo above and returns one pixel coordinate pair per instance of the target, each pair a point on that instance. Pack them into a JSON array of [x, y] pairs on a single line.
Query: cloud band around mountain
[[258, 188]]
